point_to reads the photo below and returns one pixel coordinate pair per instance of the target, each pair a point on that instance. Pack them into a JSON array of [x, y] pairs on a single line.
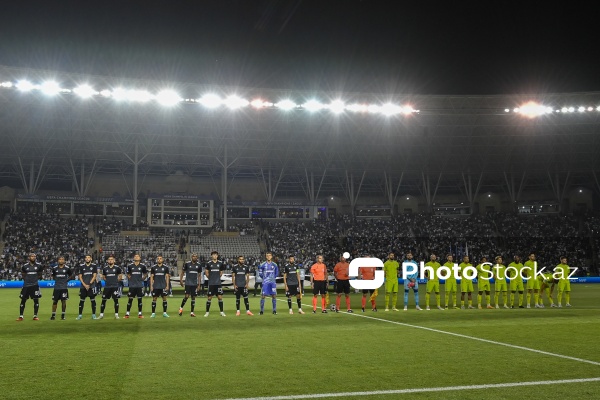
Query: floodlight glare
[[84, 91], [564, 109], [106, 93], [358, 108], [50, 88], [581, 109], [120, 94], [168, 97], [233, 102], [313, 106], [141, 96], [258, 103], [389, 109], [598, 108], [286, 105], [25, 86], [210, 101], [6, 84], [571, 109], [533, 109], [590, 108], [373, 108], [337, 106]]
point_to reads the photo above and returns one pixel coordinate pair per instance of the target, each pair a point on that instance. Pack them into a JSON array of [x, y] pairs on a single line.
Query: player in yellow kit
[[500, 282], [533, 284], [390, 268], [546, 286], [516, 281], [484, 275], [564, 284], [450, 286], [433, 282], [466, 285]]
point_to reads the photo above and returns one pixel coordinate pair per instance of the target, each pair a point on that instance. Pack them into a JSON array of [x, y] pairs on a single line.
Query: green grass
[[215, 357]]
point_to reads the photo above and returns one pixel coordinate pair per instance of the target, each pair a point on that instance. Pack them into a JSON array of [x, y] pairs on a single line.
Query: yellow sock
[[549, 296], [512, 298], [559, 297], [479, 299], [454, 299], [446, 298], [496, 298], [568, 297], [387, 299], [529, 298], [427, 299], [505, 297], [438, 299], [488, 298], [394, 299], [462, 303], [536, 298], [521, 299], [470, 303]]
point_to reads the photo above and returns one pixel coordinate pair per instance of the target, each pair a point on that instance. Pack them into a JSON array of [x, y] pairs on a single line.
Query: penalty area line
[[514, 346], [419, 390]]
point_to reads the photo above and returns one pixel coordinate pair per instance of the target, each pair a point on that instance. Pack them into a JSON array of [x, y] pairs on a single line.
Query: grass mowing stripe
[[514, 346], [420, 390]]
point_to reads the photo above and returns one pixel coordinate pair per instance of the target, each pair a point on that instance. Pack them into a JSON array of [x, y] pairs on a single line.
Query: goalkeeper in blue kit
[[411, 281]]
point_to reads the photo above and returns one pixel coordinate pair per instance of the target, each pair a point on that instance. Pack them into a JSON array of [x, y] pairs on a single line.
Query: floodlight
[[581, 109], [532, 109], [168, 97], [337, 106], [210, 101], [590, 108], [106, 93], [598, 108], [313, 105], [564, 109], [234, 102], [84, 91], [389, 109], [286, 105], [571, 109], [50, 88], [6, 84], [258, 103], [506, 110], [25, 86], [120, 94], [373, 108]]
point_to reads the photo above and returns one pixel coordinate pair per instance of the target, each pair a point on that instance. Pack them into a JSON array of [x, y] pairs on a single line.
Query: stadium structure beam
[[471, 195], [310, 185], [426, 189], [559, 193], [350, 194], [390, 194]]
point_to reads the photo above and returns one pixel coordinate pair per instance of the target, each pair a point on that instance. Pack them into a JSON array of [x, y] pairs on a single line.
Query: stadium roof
[[449, 139]]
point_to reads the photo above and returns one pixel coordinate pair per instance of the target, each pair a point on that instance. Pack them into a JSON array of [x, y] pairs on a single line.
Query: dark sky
[[420, 46]]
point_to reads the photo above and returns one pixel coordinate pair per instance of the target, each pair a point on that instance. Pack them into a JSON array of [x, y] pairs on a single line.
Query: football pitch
[[452, 354]]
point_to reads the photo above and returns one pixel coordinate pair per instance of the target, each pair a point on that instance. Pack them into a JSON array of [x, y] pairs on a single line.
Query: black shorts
[[91, 292], [292, 291], [342, 286], [160, 292], [370, 291], [135, 292], [241, 291], [108, 293], [192, 290], [60, 294], [319, 287], [215, 290], [30, 292], [257, 285]]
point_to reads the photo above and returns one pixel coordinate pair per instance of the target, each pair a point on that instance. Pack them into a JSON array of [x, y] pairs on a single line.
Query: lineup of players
[[268, 271]]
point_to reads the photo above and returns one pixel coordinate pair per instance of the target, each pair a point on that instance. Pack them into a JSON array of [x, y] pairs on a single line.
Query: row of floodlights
[[209, 100], [532, 110]]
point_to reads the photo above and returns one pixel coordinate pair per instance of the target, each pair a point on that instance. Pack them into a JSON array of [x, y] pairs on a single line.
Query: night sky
[[422, 47]]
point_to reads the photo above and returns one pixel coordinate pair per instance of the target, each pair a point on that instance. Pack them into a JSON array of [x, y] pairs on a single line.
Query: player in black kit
[[291, 279], [240, 276], [87, 277], [32, 272], [111, 275], [192, 270], [136, 274], [61, 274], [159, 284], [214, 271]]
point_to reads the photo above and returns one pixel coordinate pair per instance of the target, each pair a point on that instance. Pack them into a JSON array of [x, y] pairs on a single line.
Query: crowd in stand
[[549, 236], [48, 236]]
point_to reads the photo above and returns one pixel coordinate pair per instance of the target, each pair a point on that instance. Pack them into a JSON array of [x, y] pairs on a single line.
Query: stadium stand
[[229, 247]]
